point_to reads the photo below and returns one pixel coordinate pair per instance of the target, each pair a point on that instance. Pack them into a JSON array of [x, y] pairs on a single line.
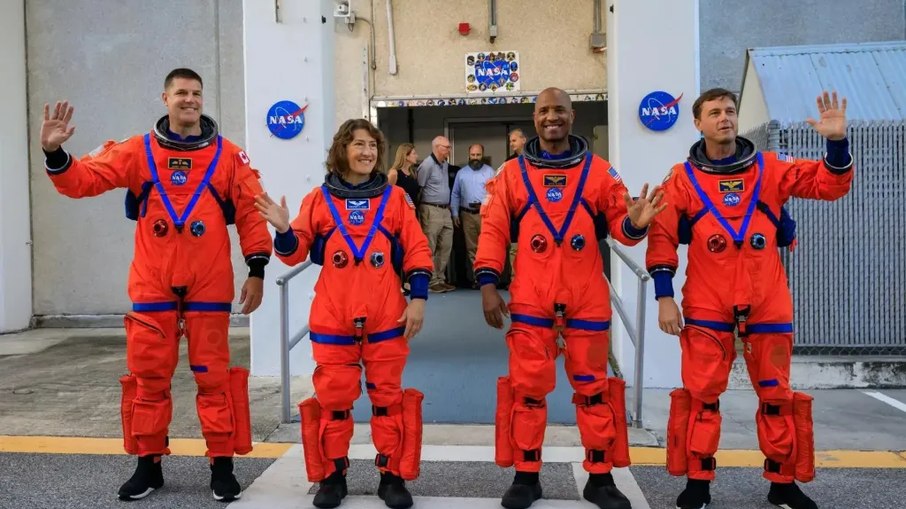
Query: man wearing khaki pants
[[467, 197], [434, 210]]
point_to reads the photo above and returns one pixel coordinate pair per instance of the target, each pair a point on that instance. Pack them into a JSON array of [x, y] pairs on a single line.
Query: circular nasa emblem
[[286, 119], [356, 217], [178, 178], [554, 194], [659, 110], [731, 199]]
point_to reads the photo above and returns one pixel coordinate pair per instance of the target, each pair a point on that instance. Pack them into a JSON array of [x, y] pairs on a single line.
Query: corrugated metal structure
[[848, 276]]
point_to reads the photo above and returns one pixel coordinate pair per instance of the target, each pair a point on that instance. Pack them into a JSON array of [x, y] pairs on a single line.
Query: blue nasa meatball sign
[[659, 110], [285, 119]]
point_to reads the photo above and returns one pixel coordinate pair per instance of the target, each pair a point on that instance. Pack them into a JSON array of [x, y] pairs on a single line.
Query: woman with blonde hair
[[402, 172]]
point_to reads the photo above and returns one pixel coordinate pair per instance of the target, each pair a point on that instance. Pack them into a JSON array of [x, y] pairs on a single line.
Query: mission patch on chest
[[554, 180], [731, 186], [179, 163], [356, 204]]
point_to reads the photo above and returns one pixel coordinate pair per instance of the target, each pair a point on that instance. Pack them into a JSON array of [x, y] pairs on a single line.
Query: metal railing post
[[286, 343], [639, 352], [284, 351], [636, 332]]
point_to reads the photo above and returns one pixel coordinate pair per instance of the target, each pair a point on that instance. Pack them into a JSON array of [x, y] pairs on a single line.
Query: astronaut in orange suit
[[185, 184], [726, 202], [364, 233], [557, 199]]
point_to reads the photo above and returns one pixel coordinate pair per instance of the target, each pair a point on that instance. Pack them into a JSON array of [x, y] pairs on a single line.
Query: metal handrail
[[287, 343], [637, 332]]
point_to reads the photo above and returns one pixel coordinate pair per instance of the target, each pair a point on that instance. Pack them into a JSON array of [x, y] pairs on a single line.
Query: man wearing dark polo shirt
[[434, 210]]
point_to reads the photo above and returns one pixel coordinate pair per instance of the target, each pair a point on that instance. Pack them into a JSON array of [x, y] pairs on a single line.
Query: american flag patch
[[785, 158], [409, 200], [614, 173]]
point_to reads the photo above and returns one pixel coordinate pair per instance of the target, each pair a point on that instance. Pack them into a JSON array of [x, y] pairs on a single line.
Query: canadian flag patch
[[243, 157]]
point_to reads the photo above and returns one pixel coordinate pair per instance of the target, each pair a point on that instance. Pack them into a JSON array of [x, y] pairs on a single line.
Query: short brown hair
[[184, 73], [710, 95], [336, 157]]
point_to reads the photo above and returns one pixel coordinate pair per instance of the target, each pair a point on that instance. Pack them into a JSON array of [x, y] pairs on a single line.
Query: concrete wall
[[15, 231], [110, 59], [551, 37], [729, 27]]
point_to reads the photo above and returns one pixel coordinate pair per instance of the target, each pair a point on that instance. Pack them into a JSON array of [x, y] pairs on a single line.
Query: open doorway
[[457, 358]]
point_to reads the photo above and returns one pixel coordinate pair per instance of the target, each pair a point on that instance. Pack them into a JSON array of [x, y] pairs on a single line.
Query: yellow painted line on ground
[[81, 445], [642, 456], [749, 458]]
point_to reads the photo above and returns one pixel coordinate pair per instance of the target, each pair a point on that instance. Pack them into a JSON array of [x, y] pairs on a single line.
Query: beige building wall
[[552, 38]]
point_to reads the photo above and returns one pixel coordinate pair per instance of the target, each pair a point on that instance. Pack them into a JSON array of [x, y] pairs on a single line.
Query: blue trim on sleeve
[[487, 277], [418, 285], [286, 243], [838, 159], [663, 284], [631, 231]]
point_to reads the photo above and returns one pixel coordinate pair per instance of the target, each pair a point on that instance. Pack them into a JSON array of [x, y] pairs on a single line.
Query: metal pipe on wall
[[393, 67], [492, 19]]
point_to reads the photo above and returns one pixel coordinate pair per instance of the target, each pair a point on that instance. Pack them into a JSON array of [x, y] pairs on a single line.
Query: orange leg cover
[[677, 431], [411, 455], [129, 387], [310, 412], [619, 453], [242, 419], [151, 356], [703, 439], [776, 439], [503, 448], [805, 437]]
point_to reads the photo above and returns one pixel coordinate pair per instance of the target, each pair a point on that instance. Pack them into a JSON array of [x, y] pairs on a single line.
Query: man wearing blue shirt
[[467, 197]]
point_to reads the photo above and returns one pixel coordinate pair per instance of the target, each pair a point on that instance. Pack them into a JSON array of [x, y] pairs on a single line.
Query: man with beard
[[549, 197], [467, 197]]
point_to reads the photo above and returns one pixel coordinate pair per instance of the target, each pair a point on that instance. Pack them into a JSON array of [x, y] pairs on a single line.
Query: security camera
[[341, 10]]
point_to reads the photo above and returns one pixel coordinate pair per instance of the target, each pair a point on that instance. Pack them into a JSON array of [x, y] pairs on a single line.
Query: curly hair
[[336, 157]]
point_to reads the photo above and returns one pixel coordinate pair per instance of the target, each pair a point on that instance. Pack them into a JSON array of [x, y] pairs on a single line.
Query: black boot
[[697, 495], [602, 491], [789, 496], [224, 485], [331, 491], [523, 492], [392, 490], [148, 477]]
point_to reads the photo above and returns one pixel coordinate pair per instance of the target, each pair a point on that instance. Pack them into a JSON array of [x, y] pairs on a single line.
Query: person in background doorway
[[517, 142], [402, 172], [466, 199], [434, 210]]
